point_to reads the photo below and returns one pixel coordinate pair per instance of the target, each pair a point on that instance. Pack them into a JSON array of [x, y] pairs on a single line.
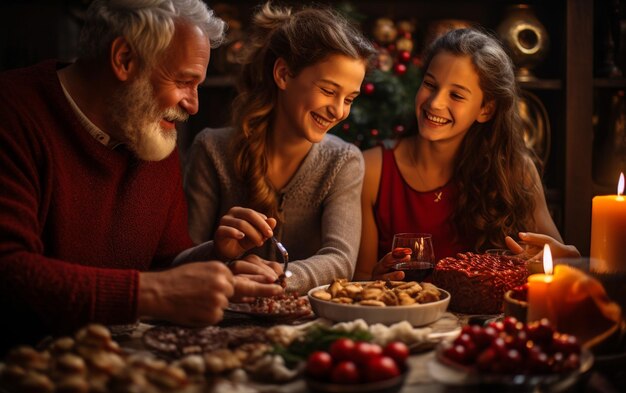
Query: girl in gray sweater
[[301, 72]]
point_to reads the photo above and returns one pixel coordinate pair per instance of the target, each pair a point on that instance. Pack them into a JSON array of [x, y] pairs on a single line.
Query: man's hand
[[241, 229], [193, 294], [253, 276], [246, 289]]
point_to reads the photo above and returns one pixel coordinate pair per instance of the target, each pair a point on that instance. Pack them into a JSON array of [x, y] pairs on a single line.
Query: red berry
[[364, 351], [537, 362], [341, 349], [345, 372], [368, 88], [319, 364], [398, 351], [456, 353], [381, 368]]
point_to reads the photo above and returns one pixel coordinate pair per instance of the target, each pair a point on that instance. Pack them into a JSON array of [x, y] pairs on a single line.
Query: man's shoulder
[[28, 73], [26, 83]]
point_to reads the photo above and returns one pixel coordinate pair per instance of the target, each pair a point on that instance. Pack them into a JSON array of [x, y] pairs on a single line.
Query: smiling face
[[147, 108], [320, 96], [449, 99]]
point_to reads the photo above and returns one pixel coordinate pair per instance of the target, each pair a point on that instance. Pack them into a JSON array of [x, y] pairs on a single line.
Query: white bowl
[[415, 314]]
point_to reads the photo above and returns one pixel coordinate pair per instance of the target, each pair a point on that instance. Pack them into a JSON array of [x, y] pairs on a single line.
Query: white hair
[[147, 25]]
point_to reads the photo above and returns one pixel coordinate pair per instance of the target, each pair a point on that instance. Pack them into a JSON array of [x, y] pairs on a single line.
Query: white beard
[[135, 112]]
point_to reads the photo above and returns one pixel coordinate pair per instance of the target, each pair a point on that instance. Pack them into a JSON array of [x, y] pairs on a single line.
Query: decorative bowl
[[391, 385], [415, 314], [514, 307]]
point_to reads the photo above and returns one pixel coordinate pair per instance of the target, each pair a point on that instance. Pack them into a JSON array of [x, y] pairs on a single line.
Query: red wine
[[415, 271]]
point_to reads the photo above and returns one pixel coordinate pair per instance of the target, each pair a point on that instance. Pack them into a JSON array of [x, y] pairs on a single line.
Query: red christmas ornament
[[368, 88], [399, 69], [404, 56], [345, 127], [398, 129], [374, 132]]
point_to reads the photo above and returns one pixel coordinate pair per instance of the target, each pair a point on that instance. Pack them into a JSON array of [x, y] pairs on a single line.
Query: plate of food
[[510, 353], [385, 302], [281, 307]]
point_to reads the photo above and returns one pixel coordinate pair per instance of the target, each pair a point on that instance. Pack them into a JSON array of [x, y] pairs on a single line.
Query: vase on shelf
[[607, 39], [526, 39]]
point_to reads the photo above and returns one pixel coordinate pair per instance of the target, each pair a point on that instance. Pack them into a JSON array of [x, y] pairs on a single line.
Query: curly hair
[[148, 25], [302, 38], [495, 185]]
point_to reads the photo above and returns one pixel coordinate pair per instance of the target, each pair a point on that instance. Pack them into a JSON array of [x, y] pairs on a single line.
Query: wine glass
[[422, 255]]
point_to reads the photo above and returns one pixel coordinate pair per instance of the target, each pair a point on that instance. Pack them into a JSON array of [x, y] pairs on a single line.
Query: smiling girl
[[301, 72], [466, 177]]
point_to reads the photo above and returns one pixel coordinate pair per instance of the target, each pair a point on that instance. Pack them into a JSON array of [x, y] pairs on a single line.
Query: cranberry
[[540, 332], [487, 359], [537, 361], [457, 353], [511, 325], [499, 345], [512, 362], [498, 326], [565, 343], [572, 362], [517, 341]]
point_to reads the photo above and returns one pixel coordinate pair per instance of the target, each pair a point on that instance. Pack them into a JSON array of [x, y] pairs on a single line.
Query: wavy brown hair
[[495, 185], [303, 38]]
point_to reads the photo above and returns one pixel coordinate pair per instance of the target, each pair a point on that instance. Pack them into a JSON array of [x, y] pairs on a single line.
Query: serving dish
[[391, 385], [415, 314], [450, 373], [246, 309]]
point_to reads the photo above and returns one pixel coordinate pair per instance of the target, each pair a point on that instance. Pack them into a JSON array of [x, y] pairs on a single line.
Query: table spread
[[607, 375]]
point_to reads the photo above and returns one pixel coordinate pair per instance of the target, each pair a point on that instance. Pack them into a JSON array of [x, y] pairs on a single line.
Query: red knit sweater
[[77, 219]]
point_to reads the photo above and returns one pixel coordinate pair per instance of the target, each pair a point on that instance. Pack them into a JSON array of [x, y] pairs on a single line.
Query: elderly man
[[91, 203]]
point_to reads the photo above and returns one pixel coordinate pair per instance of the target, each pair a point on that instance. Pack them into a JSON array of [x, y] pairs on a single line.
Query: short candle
[[538, 290]]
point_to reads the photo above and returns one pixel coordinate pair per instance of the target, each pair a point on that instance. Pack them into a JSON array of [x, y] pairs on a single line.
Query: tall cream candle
[[608, 231]]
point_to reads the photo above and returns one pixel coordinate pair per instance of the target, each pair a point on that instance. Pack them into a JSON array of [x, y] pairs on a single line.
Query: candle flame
[[620, 184], [547, 259]]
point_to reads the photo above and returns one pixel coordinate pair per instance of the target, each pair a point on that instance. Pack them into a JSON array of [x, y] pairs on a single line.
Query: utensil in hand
[[419, 246], [285, 256]]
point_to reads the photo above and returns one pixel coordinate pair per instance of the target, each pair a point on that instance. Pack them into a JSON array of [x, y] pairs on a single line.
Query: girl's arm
[[368, 251], [340, 229]]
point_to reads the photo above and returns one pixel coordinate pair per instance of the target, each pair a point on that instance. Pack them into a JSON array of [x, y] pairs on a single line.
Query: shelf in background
[[599, 189], [219, 81], [615, 83], [543, 84]]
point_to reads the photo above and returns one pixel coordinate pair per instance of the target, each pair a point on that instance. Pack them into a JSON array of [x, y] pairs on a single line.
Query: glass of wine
[[419, 246]]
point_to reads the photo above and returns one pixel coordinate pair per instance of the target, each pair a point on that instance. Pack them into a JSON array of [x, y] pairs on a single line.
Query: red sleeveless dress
[[400, 208]]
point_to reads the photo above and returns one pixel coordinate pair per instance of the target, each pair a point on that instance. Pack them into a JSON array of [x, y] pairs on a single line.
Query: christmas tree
[[385, 108]]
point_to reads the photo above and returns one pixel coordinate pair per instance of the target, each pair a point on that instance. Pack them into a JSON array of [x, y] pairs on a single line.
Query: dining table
[[608, 373]]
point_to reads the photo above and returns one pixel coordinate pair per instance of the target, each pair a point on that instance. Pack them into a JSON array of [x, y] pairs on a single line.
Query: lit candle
[[538, 290], [608, 231]]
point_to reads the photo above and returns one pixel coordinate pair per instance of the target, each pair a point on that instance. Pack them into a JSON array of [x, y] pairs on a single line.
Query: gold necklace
[[438, 194]]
